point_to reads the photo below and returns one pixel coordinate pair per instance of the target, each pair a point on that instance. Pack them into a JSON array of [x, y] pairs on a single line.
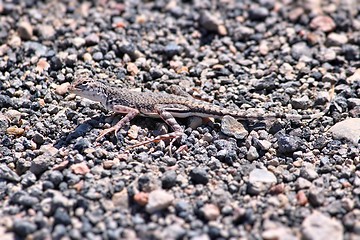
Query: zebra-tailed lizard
[[163, 105]]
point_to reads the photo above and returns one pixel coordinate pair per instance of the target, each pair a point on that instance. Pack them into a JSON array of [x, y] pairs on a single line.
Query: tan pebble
[[78, 186], [141, 198], [61, 166], [141, 19], [87, 57], [121, 199], [211, 212], [41, 102], [132, 68], [110, 163], [301, 198], [80, 168], [62, 89], [133, 132], [323, 23], [15, 131], [222, 30], [42, 65]]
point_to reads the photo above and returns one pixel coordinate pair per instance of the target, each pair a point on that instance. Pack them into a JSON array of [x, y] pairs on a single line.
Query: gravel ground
[[273, 179]]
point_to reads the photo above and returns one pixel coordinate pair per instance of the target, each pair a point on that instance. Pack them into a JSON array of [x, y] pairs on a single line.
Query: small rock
[[301, 198], [133, 132], [300, 49], [62, 89], [336, 39], [92, 39], [321, 227], [22, 228], [323, 23], [159, 200], [316, 197], [261, 175], [348, 129], [132, 69], [301, 103], [212, 23], [8, 174], [121, 199], [25, 30], [309, 174], [258, 13], [42, 65], [141, 198], [302, 183], [15, 131], [289, 144], [199, 175], [80, 168], [98, 56], [168, 180], [40, 164], [355, 77], [46, 32], [78, 42], [264, 145], [211, 212], [231, 127], [252, 154], [279, 233]]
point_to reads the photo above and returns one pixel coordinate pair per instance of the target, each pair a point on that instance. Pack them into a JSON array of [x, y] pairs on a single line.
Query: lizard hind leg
[[170, 120]]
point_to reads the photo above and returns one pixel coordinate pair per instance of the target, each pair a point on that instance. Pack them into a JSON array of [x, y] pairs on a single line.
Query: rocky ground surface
[[273, 179]]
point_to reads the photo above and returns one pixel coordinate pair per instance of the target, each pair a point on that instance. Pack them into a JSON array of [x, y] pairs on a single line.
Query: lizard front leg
[[130, 114]]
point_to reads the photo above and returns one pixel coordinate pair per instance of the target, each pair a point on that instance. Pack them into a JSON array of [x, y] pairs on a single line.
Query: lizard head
[[90, 89]]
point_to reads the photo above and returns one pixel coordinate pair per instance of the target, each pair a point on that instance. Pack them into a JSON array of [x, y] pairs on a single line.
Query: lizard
[[160, 105]]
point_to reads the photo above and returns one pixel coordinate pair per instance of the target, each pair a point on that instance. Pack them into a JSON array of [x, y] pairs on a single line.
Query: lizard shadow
[[80, 131]]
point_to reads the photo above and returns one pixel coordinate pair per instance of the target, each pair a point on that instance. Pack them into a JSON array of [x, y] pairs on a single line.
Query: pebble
[[159, 200], [168, 180], [15, 131], [300, 103], [199, 175], [302, 183], [8, 174], [141, 198], [40, 164], [289, 144], [309, 174], [336, 39], [261, 175], [211, 22], [25, 30], [323, 23], [258, 13], [231, 127], [80, 168], [354, 77], [252, 154], [23, 228], [98, 56], [78, 42], [300, 49], [121, 199], [211, 212], [133, 132], [311, 229], [348, 129], [62, 89], [46, 32], [92, 39]]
